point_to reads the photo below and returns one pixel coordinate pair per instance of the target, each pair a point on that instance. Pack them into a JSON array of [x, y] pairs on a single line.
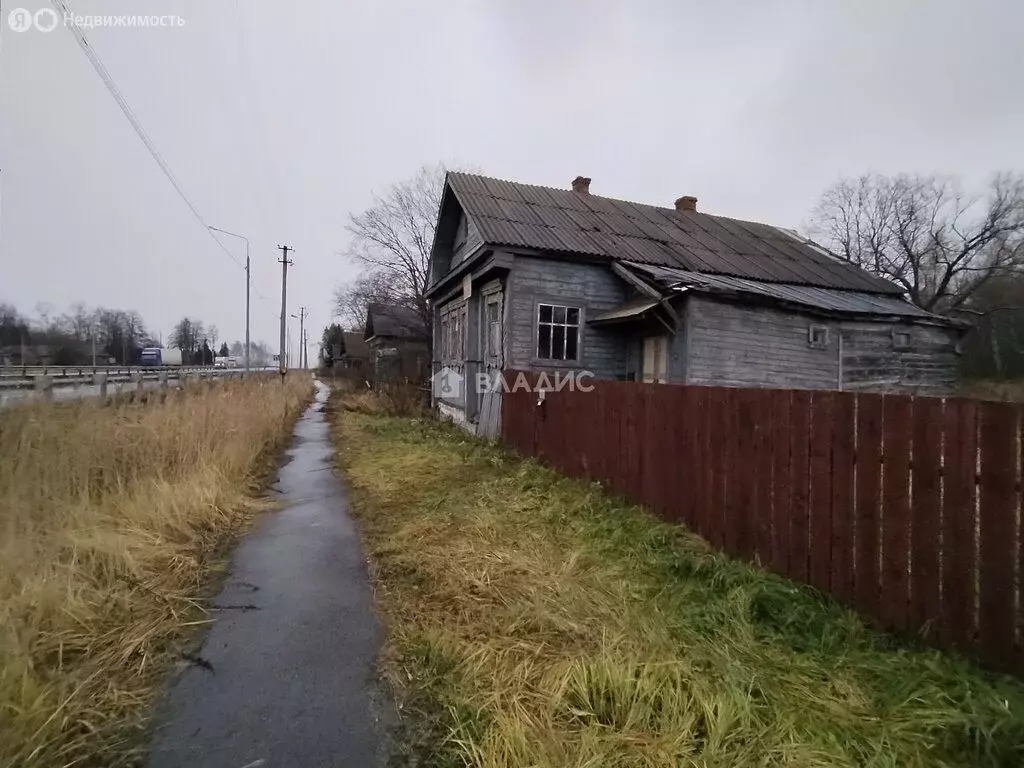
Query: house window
[[453, 335], [817, 336], [492, 322], [900, 339], [558, 332]]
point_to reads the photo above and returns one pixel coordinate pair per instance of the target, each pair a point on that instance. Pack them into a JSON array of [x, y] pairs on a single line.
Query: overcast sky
[[280, 118]]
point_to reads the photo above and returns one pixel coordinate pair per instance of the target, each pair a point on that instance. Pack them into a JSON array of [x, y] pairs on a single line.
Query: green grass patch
[[535, 621]]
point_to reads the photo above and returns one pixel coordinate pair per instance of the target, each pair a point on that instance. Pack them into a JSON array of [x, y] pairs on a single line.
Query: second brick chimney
[[581, 184], [686, 203]]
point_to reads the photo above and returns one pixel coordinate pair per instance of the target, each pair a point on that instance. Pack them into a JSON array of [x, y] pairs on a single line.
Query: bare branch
[[925, 234]]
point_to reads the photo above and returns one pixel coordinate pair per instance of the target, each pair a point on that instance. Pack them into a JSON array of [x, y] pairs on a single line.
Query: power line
[[272, 180], [122, 102]]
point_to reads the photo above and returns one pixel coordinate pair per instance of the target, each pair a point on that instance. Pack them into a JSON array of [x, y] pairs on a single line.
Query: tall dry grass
[[112, 519]]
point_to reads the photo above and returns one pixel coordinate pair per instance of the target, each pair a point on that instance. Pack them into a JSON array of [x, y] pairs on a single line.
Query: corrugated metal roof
[[828, 299], [394, 321], [529, 216]]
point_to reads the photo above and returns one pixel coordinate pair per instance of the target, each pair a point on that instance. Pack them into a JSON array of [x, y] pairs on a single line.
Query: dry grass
[[396, 400], [112, 519], [533, 621]]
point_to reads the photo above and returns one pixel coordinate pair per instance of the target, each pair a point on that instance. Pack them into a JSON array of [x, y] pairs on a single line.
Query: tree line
[[110, 336]]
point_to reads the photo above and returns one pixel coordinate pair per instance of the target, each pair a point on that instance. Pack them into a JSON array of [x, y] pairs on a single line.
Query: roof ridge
[[568, 191], [665, 208]]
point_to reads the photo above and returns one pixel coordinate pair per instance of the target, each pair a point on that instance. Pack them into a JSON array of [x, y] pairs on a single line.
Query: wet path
[[290, 681]]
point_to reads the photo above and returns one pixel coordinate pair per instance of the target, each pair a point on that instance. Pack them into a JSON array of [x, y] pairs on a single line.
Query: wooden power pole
[[302, 336], [285, 261]]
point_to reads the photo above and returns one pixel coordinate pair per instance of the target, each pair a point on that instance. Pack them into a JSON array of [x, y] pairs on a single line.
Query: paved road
[[293, 647]]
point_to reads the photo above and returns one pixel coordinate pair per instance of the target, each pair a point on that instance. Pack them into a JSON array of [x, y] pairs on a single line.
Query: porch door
[[491, 335], [655, 362]]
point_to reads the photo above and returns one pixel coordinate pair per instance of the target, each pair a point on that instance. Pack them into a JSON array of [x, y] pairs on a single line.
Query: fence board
[[895, 510], [960, 447], [843, 453], [781, 483], [822, 406], [611, 457], [997, 510], [800, 444], [681, 411], [764, 422], [742, 469], [717, 437], [658, 449], [926, 516], [867, 568], [701, 414], [633, 440]]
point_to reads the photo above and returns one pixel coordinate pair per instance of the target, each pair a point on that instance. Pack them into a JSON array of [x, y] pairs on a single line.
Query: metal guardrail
[[50, 377], [15, 389], [58, 371]]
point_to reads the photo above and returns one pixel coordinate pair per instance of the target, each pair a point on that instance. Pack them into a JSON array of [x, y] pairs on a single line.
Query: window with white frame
[[558, 332]]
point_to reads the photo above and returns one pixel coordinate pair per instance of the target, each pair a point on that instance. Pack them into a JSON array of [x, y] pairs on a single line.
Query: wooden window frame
[[813, 340], [576, 327]]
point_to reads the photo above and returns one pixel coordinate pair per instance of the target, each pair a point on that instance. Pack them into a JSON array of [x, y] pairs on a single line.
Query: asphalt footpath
[[285, 676]]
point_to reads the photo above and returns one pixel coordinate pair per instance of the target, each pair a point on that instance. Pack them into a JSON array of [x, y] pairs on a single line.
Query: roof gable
[[355, 344], [394, 322], [560, 220]]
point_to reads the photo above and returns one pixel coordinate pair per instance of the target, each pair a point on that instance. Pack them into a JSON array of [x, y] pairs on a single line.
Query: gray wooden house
[[536, 278], [397, 342]]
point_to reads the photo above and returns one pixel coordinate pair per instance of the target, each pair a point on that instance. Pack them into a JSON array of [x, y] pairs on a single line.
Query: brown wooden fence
[[906, 508]]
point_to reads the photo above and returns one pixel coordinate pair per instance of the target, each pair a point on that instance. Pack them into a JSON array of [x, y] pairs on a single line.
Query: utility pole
[[302, 338], [247, 284], [285, 261]]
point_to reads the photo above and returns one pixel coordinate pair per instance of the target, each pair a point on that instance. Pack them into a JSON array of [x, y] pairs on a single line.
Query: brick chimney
[[581, 184], [686, 203]]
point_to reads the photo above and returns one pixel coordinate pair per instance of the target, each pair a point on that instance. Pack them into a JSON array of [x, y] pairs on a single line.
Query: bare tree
[[186, 336], [351, 300], [78, 321], [925, 234], [392, 238]]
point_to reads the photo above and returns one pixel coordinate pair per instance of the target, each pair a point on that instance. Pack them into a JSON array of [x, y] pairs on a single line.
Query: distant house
[[398, 342], [356, 353], [529, 277]]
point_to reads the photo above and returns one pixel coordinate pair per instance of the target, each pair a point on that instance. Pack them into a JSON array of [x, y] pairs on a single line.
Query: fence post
[[162, 379], [137, 379], [100, 380], [44, 386]]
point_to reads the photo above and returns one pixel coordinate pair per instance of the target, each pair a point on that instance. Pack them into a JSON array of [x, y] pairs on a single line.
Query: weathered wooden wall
[[905, 508], [593, 287], [745, 345]]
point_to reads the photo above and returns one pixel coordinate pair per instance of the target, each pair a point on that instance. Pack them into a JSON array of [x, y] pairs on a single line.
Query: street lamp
[[247, 281]]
